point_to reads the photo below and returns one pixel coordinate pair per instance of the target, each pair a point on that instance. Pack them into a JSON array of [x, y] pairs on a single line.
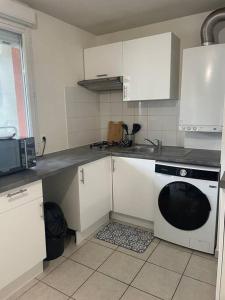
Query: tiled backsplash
[[83, 118], [159, 119], [88, 114]]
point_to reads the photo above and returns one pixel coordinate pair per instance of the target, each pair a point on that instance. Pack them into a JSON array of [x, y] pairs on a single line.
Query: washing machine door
[[184, 206]]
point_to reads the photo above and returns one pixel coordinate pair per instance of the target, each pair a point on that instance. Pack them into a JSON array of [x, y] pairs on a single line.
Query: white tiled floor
[[100, 271]]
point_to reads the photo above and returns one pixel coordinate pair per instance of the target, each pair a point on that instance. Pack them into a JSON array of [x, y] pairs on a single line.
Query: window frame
[[28, 74]]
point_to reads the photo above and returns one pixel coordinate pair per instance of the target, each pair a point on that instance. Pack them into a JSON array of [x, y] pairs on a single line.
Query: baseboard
[[80, 236], [132, 220], [20, 282]]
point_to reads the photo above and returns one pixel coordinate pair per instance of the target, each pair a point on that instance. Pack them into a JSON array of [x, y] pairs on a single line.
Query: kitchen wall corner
[[83, 118]]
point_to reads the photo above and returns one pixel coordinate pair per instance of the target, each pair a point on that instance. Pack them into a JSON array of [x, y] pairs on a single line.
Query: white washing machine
[[186, 205]]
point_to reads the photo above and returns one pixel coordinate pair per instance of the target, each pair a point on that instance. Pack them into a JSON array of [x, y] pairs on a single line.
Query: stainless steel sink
[[143, 149]]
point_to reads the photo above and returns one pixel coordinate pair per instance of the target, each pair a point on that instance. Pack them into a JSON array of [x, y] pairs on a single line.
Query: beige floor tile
[[103, 243], [190, 289], [157, 281], [92, 255], [205, 255], [100, 287], [71, 246], [49, 266], [43, 292], [170, 258], [24, 289], [122, 267], [134, 294], [68, 277], [176, 246], [202, 269], [143, 256]]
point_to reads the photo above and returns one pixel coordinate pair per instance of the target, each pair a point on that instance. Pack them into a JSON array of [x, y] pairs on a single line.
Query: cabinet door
[[133, 187], [150, 68], [95, 191], [103, 61], [22, 240]]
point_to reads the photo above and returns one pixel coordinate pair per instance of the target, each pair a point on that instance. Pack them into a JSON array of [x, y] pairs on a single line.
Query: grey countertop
[[54, 163]]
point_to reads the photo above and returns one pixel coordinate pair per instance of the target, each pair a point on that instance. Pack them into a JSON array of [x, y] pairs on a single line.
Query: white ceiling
[[104, 16]]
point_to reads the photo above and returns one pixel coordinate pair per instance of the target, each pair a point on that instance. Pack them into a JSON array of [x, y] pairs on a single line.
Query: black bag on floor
[[55, 230]]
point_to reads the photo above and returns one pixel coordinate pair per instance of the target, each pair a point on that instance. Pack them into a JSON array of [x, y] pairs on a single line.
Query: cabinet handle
[[124, 92], [42, 210], [16, 193], [113, 165], [82, 175], [102, 75]]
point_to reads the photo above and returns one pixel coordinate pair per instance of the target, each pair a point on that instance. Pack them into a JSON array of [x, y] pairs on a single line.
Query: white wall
[[83, 119], [154, 116], [58, 64]]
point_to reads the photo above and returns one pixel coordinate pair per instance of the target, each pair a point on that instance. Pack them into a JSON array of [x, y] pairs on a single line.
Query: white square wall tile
[[160, 122], [104, 97], [128, 108], [169, 138], [141, 108], [105, 122], [155, 134], [116, 96], [105, 109], [143, 121], [117, 118], [116, 108], [163, 107], [84, 95], [140, 136]]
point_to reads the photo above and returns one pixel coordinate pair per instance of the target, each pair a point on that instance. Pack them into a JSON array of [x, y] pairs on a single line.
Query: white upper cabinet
[[103, 61], [151, 68]]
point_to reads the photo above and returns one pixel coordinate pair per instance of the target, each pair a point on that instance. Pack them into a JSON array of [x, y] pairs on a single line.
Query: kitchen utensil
[[115, 132], [125, 127], [136, 128]]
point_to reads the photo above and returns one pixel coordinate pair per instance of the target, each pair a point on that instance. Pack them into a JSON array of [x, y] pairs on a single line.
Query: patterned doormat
[[126, 236]]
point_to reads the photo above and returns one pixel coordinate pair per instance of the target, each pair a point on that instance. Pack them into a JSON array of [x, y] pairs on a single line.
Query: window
[[14, 110]]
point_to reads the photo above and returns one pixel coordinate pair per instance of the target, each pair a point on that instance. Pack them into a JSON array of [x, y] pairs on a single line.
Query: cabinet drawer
[[20, 196]]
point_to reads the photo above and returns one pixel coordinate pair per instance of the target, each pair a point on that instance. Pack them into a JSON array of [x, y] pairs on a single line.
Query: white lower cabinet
[[133, 187], [95, 192], [84, 194], [22, 232]]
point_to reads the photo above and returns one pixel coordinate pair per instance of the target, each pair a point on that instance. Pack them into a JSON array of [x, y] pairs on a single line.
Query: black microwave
[[16, 155]]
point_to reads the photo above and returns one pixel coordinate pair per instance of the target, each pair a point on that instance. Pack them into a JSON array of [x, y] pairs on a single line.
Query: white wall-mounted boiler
[[203, 89]]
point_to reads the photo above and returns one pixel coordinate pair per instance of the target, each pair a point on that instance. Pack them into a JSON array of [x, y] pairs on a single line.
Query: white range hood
[[203, 89]]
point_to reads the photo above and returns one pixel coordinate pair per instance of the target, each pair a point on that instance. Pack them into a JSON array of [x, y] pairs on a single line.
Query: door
[[149, 67], [22, 240], [184, 206], [133, 187], [103, 61], [95, 191]]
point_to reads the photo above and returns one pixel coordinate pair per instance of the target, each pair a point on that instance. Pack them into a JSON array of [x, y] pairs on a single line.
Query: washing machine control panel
[[187, 172], [183, 172]]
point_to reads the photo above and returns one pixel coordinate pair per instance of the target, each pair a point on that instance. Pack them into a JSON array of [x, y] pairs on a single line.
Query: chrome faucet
[[158, 143]]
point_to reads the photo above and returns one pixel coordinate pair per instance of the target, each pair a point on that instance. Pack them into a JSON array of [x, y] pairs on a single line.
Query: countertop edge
[[222, 181]]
